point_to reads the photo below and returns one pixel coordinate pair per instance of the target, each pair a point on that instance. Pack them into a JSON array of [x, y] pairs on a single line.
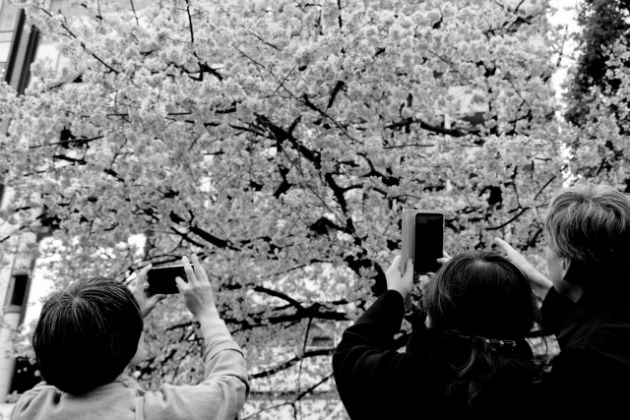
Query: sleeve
[[220, 396], [39, 398], [555, 311], [367, 370], [18, 410]]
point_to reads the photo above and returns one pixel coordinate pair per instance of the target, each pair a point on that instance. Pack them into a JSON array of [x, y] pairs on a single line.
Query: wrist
[[207, 315], [145, 309], [402, 291], [541, 285]]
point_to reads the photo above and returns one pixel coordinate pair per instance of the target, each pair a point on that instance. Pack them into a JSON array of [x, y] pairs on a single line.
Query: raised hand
[[146, 302], [399, 280], [539, 283], [198, 294]]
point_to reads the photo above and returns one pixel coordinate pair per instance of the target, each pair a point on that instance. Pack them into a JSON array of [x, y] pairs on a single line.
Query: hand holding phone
[[140, 290], [422, 240]]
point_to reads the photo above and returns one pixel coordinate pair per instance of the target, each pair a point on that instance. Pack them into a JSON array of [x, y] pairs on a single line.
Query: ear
[[570, 290], [566, 265]]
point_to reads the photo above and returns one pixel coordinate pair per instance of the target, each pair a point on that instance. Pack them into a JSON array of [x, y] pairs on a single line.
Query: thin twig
[[133, 8]]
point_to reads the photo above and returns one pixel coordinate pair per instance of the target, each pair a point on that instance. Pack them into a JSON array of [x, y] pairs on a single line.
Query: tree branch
[[512, 219], [287, 364], [190, 24], [83, 46], [133, 9], [455, 132]]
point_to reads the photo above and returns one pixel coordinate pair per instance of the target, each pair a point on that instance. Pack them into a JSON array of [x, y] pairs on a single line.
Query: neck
[[568, 290]]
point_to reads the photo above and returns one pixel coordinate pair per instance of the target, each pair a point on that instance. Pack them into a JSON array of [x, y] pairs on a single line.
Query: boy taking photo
[[90, 332]]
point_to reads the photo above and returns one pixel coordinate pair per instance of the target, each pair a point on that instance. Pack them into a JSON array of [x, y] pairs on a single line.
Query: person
[[586, 301], [467, 356], [89, 333]]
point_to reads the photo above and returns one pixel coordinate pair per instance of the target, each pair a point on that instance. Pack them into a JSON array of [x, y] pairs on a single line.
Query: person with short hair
[[586, 301], [90, 332], [467, 356]]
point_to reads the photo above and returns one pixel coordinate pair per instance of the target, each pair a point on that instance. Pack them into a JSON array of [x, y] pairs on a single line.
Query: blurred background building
[[18, 47]]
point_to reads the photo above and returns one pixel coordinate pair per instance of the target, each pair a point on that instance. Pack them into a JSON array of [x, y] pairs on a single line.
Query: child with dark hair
[[89, 333], [466, 358]]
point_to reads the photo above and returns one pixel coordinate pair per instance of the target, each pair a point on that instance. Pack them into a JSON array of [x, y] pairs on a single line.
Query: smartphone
[[161, 279], [422, 239]]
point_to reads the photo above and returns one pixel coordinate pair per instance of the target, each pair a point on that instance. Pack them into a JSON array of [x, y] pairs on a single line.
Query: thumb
[[396, 261], [158, 298], [181, 284]]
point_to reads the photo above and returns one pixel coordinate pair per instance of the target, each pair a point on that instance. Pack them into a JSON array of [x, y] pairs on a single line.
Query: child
[[89, 333]]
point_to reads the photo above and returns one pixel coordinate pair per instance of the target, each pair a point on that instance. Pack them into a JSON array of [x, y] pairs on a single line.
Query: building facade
[[18, 46]]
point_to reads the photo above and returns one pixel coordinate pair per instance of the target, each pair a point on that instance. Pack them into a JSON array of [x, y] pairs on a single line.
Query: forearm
[[367, 369], [223, 356], [377, 326], [223, 391]]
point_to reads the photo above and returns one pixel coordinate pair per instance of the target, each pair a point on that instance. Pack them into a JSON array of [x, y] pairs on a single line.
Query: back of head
[[481, 294], [87, 334], [482, 307], [590, 226]]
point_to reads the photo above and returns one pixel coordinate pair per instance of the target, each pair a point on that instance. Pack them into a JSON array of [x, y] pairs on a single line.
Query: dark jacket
[[591, 375], [375, 381]]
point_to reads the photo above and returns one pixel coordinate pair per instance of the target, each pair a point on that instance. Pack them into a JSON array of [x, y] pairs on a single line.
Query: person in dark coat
[[586, 301], [467, 356]]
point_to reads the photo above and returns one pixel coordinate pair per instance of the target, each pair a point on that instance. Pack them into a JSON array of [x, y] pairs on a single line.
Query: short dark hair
[[481, 294], [87, 334]]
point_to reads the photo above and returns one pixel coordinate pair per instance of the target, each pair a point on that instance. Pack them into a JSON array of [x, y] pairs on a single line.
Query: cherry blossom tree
[[280, 140]]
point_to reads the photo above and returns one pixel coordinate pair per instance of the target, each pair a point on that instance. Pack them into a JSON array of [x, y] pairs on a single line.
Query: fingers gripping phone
[[161, 279], [422, 240]]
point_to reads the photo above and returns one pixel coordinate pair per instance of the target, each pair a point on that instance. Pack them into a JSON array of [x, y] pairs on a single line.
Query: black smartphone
[[161, 279], [422, 239]]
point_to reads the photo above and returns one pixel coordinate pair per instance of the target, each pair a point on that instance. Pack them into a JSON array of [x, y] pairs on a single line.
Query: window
[[8, 18], [17, 293]]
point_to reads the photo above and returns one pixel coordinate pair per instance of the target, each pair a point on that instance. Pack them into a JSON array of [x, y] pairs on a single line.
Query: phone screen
[[429, 242], [162, 279]]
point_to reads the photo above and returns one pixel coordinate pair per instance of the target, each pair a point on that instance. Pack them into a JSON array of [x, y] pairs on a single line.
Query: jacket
[[590, 377], [219, 396]]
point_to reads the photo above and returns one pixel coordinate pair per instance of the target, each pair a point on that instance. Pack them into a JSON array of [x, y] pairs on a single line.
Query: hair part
[[87, 334]]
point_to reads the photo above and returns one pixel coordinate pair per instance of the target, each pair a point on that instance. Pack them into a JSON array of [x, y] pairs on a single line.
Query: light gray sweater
[[220, 396]]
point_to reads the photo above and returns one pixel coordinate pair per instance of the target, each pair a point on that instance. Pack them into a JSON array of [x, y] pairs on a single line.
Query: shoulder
[[217, 399], [594, 359], [40, 398], [605, 332]]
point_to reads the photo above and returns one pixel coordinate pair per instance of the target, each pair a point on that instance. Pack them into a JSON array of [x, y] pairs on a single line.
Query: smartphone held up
[[161, 279], [422, 240]]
